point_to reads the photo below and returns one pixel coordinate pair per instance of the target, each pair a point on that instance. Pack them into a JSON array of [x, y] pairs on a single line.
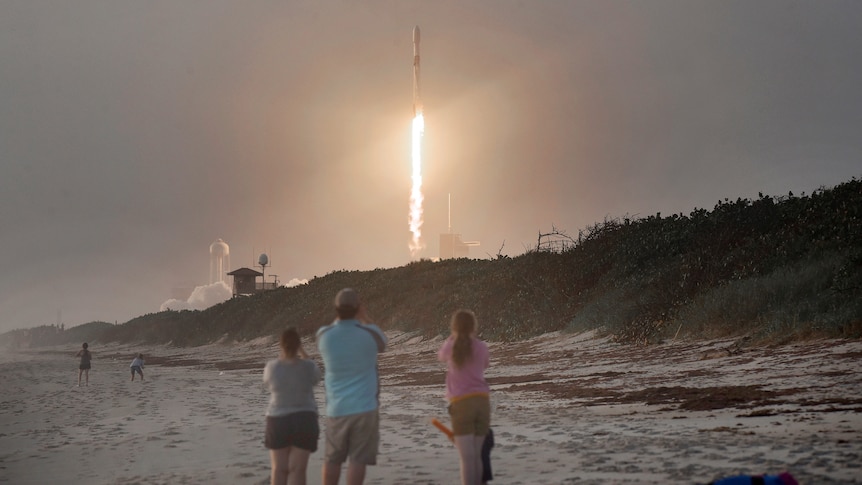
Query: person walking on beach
[[349, 347], [84, 366], [292, 430], [137, 366], [466, 358]]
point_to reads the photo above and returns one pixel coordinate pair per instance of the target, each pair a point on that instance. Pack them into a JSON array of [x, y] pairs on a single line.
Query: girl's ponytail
[[463, 326]]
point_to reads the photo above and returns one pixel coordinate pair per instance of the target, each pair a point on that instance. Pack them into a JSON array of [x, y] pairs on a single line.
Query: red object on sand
[[442, 427]]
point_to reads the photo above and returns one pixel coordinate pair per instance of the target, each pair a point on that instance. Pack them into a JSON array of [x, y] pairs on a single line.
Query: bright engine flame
[[416, 192]]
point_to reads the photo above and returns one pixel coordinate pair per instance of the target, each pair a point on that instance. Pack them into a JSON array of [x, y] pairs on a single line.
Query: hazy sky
[[134, 134]]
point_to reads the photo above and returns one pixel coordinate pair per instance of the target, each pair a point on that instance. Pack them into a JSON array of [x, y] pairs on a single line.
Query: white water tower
[[219, 261]]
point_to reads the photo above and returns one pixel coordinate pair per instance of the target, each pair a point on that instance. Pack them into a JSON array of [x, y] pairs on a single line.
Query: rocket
[[417, 103]]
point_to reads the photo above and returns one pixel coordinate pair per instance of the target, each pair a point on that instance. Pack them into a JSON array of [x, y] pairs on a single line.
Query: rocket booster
[[417, 102]]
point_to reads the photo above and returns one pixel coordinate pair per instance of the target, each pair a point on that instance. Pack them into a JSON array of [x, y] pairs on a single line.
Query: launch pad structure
[[451, 245]]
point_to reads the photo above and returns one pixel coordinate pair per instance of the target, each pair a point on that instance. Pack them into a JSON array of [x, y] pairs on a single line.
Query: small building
[[245, 282]]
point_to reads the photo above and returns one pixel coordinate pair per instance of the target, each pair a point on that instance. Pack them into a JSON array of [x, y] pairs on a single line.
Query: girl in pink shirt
[[467, 358]]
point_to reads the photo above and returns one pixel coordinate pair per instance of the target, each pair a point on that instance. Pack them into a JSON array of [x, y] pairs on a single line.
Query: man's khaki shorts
[[356, 436]]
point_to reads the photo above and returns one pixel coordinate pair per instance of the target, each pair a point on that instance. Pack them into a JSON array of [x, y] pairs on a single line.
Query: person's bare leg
[[331, 473], [280, 460], [87, 377], [297, 466], [471, 459], [80, 373], [477, 449], [355, 473]]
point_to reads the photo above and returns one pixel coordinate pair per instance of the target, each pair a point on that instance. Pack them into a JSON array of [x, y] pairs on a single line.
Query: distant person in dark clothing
[[84, 366]]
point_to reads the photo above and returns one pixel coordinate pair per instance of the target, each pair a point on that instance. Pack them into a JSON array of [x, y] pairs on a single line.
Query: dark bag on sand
[[781, 479]]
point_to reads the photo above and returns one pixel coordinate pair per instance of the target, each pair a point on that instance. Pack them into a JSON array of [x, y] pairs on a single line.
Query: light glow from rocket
[[416, 198]]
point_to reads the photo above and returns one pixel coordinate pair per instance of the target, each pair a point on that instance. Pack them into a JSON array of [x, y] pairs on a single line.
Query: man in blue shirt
[[349, 347]]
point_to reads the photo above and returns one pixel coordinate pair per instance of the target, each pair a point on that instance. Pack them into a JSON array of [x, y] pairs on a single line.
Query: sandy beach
[[566, 409]]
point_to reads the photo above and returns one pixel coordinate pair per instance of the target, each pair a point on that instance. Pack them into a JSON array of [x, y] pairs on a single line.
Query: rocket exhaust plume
[[416, 198]]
